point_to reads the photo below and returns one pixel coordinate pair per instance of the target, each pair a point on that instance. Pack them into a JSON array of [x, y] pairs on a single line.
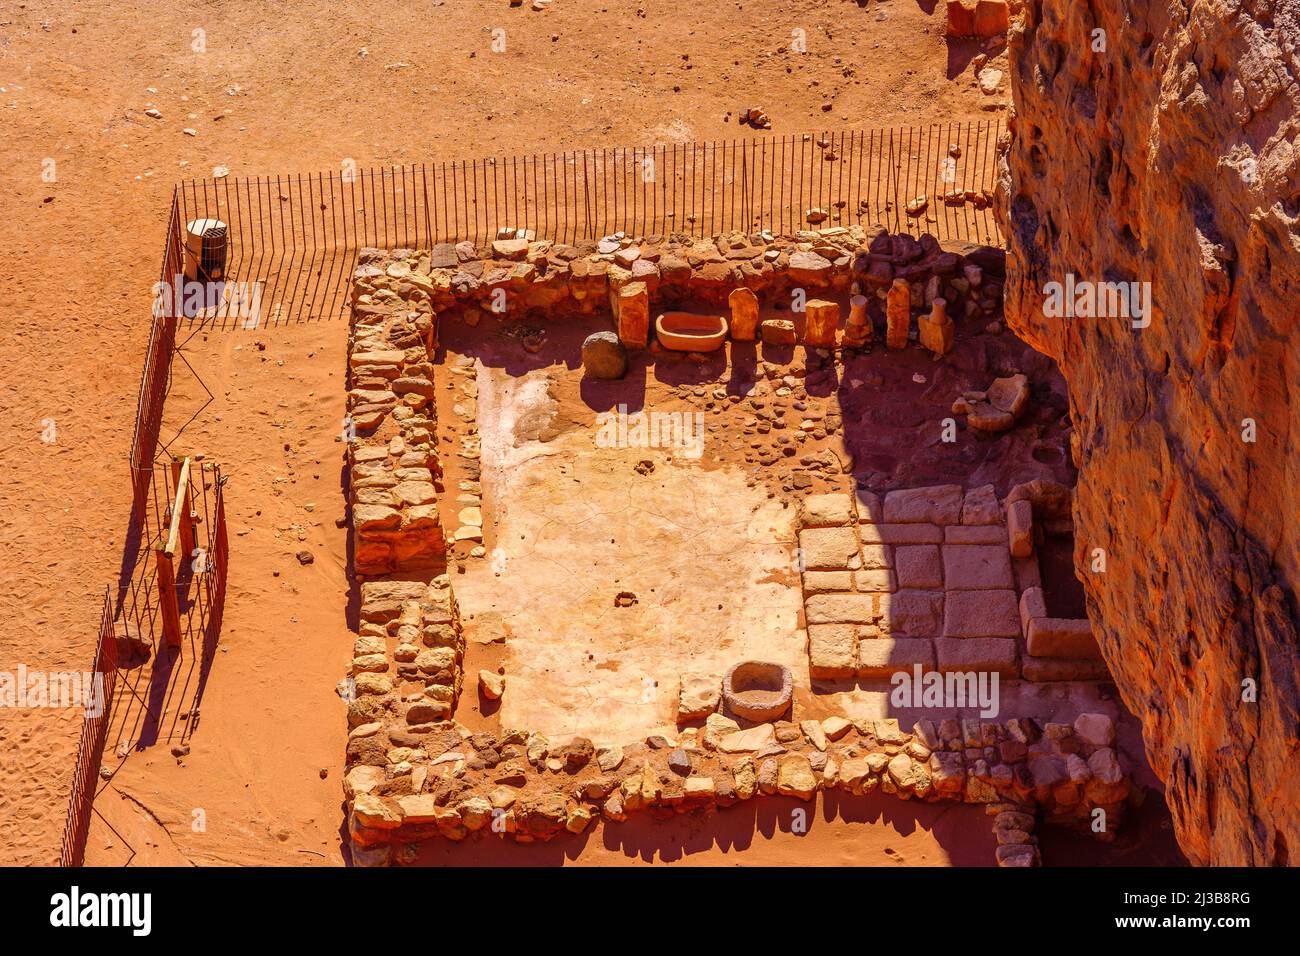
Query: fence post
[[167, 598], [181, 502], [171, 613]]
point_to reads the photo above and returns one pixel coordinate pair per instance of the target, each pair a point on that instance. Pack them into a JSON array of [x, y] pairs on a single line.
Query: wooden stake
[[171, 614], [179, 508]]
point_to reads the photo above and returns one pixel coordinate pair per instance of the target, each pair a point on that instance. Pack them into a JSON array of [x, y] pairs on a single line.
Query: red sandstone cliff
[[1170, 157]]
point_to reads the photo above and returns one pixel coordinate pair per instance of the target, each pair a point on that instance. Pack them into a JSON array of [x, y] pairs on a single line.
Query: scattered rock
[[603, 356], [491, 685]]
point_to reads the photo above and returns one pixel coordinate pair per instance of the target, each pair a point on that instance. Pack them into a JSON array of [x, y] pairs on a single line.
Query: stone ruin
[[938, 577]]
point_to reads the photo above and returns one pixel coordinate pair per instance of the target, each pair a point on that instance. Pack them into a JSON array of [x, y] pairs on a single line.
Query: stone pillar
[[858, 310], [632, 314], [937, 330], [898, 314], [823, 319], [857, 330], [744, 314]]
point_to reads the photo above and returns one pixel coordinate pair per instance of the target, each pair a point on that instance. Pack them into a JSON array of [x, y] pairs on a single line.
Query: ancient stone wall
[[415, 774], [390, 430], [443, 781], [544, 280], [1154, 142], [934, 578], [407, 660]]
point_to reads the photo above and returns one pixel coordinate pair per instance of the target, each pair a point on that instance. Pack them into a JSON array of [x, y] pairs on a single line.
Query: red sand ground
[[281, 91]]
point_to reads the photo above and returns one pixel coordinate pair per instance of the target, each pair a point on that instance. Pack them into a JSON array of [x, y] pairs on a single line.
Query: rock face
[[1166, 158]]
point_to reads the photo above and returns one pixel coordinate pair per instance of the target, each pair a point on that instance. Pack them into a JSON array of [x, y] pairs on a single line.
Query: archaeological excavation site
[[904, 484]]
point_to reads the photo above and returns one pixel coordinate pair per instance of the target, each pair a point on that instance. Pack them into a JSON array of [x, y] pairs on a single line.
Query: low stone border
[[626, 276], [443, 781], [392, 446], [408, 658]]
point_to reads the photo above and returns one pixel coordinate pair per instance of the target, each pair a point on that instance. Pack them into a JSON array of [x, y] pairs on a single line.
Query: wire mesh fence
[[289, 241]]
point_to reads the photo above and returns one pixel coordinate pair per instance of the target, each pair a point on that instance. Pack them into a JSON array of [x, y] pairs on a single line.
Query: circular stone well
[[758, 690]]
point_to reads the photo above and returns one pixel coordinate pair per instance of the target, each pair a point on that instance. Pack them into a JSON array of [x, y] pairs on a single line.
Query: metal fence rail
[[90, 748], [145, 678], [157, 364], [297, 235]]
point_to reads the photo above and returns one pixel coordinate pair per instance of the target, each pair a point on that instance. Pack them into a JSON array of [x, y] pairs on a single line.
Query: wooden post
[[171, 614], [180, 511], [180, 499], [167, 597]]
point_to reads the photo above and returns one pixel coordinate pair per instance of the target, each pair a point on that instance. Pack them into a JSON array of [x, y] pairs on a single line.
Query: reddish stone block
[[992, 18], [961, 19]]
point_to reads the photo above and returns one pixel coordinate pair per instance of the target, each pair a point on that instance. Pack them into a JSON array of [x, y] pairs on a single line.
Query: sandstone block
[[809, 268], [882, 657], [1049, 669], [829, 548], [918, 566], [836, 727], [976, 567], [795, 777], [511, 249], [961, 18], [698, 696], [1017, 855], [987, 654], [900, 534], [1096, 729], [938, 504], [744, 314], [823, 319], [778, 332], [981, 614], [1062, 637], [825, 582], [1032, 605], [603, 356], [991, 18], [748, 741], [912, 612], [1009, 394], [632, 314], [875, 580], [975, 534], [827, 511], [832, 650], [843, 608], [936, 331], [980, 507]]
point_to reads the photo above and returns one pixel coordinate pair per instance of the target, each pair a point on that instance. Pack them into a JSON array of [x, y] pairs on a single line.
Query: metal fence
[[295, 237], [90, 749], [156, 377], [145, 676]]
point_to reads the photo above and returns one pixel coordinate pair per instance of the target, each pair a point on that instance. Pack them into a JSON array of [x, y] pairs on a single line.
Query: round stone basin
[[688, 332], [758, 690]]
